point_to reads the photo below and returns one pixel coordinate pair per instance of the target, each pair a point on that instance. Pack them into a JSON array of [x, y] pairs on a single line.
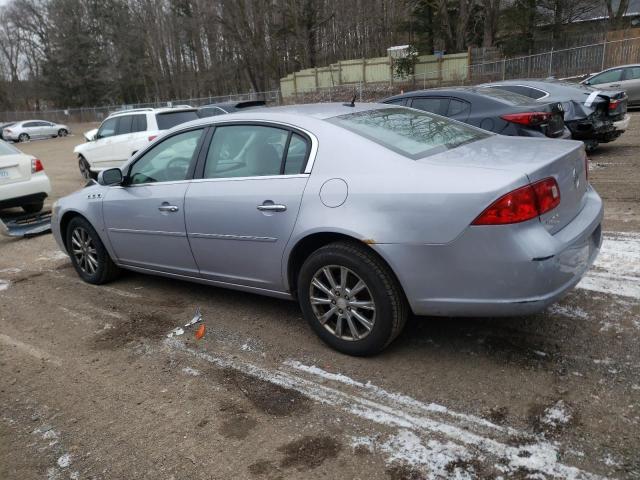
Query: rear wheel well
[[313, 242]]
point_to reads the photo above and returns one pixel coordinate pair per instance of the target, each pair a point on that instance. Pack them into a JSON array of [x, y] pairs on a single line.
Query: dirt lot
[[91, 387]]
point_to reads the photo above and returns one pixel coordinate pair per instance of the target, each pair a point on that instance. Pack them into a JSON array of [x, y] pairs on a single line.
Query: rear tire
[[33, 207], [365, 298], [62, 132], [590, 145], [88, 254], [23, 137]]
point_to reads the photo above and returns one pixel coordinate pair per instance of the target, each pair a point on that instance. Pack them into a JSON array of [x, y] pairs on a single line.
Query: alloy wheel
[[84, 251], [342, 302]]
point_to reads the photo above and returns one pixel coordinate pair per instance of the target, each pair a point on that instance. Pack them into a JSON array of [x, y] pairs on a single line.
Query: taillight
[[36, 165], [613, 104], [532, 119], [152, 137], [522, 204], [7, 130]]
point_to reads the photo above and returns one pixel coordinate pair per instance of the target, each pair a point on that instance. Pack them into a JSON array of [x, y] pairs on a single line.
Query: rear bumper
[[623, 124], [24, 193], [498, 270]]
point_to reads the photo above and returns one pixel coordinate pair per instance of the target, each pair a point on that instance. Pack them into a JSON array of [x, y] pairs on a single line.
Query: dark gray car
[[593, 116], [214, 109], [495, 110]]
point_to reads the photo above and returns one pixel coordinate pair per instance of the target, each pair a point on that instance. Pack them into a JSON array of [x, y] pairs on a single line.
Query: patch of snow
[[610, 461], [175, 332], [64, 461], [568, 311], [191, 371], [433, 456], [556, 415], [366, 443], [4, 284], [11, 270], [617, 267], [455, 434]]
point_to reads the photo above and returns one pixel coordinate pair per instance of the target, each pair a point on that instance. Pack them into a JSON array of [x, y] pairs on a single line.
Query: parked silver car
[[30, 129], [362, 213], [624, 77]]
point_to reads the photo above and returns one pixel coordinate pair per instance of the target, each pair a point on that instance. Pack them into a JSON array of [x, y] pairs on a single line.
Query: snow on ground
[[617, 268]]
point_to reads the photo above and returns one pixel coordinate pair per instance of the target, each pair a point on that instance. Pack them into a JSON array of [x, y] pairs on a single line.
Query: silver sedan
[[362, 214], [32, 129]]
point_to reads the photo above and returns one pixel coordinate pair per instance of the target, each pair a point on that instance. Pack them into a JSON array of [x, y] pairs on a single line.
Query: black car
[[593, 116], [214, 109], [494, 110]]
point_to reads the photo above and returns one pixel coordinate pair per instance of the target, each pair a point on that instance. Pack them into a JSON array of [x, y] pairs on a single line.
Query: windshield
[[6, 149], [411, 133], [171, 119]]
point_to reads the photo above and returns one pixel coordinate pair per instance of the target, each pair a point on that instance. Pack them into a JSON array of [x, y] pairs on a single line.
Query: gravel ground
[[91, 387]]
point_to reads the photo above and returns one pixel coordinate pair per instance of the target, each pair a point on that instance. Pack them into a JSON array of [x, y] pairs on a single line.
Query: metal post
[[550, 62], [604, 51], [504, 68]]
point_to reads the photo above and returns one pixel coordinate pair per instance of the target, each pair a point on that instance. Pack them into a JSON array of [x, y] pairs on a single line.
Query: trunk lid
[[14, 168], [536, 158]]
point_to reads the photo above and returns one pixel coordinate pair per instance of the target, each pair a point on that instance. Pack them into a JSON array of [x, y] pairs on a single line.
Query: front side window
[[411, 133], [167, 161], [245, 151], [607, 77], [108, 128]]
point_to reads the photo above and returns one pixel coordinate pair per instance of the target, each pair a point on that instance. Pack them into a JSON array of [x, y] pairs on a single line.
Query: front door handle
[[272, 208], [168, 208]]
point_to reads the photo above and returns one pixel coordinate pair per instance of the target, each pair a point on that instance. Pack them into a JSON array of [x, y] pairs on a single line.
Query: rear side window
[[30, 124], [139, 123], [397, 101], [437, 105], [123, 125], [607, 77], [169, 120], [632, 73], [296, 155], [458, 109], [409, 132], [210, 112]]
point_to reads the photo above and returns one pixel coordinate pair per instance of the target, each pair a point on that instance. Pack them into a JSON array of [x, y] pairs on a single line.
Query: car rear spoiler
[[26, 225]]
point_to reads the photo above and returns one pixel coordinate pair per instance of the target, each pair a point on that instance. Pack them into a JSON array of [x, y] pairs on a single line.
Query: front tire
[[88, 254], [62, 132], [85, 169], [351, 298], [23, 137]]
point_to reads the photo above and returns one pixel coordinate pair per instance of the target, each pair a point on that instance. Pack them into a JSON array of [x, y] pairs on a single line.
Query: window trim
[[312, 147], [141, 153]]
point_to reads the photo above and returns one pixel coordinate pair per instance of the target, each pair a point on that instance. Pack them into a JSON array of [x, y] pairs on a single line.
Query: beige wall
[[428, 70]]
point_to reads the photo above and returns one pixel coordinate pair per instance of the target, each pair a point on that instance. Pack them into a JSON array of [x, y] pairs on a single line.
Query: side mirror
[[586, 82], [111, 176]]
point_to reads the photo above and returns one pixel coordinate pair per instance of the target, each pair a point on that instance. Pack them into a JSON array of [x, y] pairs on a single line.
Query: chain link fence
[[97, 114]]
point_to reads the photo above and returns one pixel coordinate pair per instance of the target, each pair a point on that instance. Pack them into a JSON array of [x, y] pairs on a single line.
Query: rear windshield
[[505, 96], [171, 119], [6, 149], [409, 132]]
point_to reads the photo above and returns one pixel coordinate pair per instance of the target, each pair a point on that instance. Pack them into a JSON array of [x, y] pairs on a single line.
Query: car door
[[101, 151], [631, 84], [31, 128], [145, 217], [49, 129], [242, 211], [121, 142]]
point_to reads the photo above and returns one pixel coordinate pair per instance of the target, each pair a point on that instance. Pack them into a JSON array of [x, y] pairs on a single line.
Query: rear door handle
[[272, 208], [168, 208]]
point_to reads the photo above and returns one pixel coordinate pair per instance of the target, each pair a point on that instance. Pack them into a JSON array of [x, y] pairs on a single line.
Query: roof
[[153, 110]]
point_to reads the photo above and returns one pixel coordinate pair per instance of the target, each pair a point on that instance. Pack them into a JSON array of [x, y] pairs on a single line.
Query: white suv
[[124, 133]]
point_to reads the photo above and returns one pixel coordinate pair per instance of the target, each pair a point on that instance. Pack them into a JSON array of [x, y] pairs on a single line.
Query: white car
[[31, 129], [23, 182], [124, 133]]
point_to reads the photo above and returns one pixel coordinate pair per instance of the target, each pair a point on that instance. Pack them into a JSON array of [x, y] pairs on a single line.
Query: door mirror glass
[[111, 176]]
